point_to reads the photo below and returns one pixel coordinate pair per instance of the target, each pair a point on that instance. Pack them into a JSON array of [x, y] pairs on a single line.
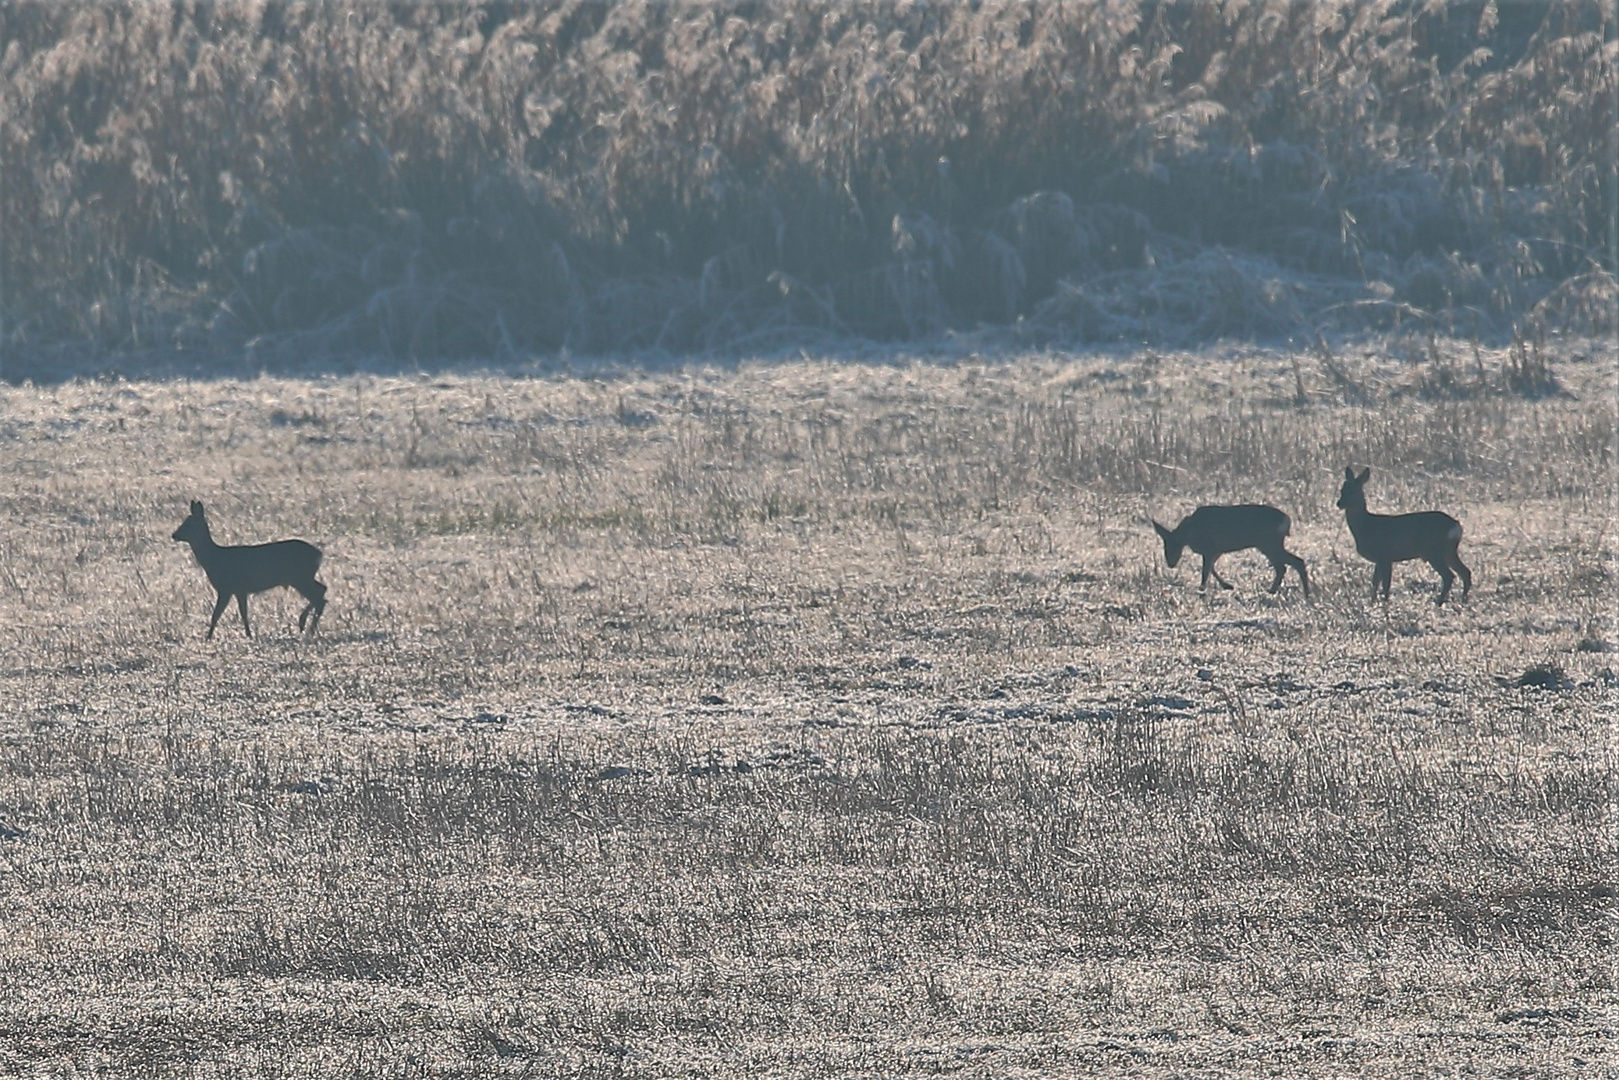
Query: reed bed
[[302, 184]]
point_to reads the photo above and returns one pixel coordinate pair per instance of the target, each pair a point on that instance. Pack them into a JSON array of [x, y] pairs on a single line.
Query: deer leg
[[1445, 576], [1298, 564], [315, 593], [219, 609], [1279, 569], [1384, 574], [241, 605], [1455, 560], [1209, 570]]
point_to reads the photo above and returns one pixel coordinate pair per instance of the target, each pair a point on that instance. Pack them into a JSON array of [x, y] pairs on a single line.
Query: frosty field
[[812, 718]]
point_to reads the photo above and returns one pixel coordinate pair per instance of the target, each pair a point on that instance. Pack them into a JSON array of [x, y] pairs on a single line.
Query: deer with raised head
[[254, 568], [1385, 539], [1212, 531]]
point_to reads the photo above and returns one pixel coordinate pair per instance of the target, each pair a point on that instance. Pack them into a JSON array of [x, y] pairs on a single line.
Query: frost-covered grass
[[814, 718]]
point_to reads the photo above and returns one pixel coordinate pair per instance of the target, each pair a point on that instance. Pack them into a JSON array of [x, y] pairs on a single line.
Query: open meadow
[[812, 718]]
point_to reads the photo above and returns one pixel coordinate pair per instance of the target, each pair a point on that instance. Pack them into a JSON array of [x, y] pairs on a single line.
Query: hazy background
[[416, 182]]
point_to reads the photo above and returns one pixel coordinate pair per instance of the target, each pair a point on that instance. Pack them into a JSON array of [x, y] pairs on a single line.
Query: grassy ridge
[[477, 179]]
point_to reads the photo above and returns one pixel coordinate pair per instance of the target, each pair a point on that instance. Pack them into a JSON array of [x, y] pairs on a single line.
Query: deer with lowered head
[[1212, 531], [254, 568], [1385, 539]]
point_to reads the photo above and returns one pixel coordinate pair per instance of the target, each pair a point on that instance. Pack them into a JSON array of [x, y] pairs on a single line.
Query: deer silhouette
[[1385, 539], [254, 568], [1212, 531]]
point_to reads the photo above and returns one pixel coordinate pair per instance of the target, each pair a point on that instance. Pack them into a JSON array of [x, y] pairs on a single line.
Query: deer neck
[[203, 546], [1358, 516]]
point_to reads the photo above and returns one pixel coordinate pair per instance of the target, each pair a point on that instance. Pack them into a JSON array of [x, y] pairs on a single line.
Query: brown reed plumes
[[463, 179]]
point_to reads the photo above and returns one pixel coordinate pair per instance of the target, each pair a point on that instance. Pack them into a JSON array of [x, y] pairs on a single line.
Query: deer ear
[[1364, 473], [196, 507], [1349, 472]]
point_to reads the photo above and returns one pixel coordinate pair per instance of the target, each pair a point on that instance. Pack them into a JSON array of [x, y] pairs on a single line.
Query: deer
[[254, 568], [1212, 531], [1386, 539]]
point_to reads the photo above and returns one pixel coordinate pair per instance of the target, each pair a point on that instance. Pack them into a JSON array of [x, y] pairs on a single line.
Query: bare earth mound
[[811, 719]]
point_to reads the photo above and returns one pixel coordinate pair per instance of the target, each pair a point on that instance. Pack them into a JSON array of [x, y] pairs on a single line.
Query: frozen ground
[[811, 719]]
